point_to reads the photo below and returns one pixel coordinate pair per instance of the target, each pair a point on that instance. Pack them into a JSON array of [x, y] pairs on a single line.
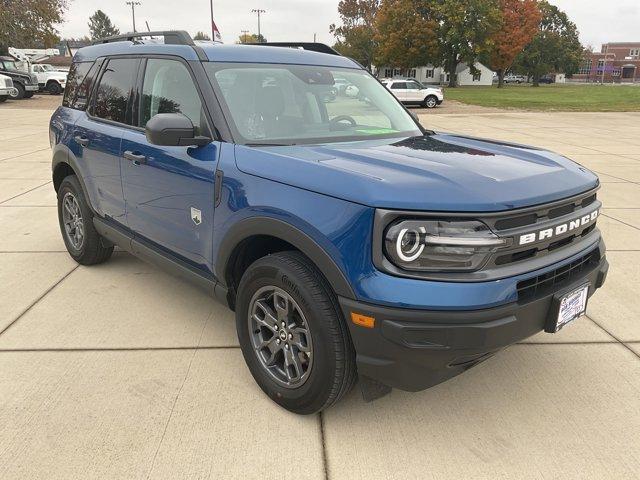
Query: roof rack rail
[[312, 46], [171, 37]]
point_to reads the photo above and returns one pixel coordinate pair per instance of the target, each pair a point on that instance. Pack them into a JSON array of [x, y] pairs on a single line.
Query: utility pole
[[133, 12], [259, 11], [244, 35]]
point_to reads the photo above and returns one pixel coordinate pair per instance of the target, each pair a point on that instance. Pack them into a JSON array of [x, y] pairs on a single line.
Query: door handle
[[136, 158], [84, 141]]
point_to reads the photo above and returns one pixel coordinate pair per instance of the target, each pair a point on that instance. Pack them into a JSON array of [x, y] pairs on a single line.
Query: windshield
[[293, 104], [9, 65]]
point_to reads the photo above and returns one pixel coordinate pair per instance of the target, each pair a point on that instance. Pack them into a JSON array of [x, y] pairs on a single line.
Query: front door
[[414, 92], [169, 191]]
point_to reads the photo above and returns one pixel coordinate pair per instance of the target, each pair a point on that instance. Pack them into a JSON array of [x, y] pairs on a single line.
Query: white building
[[437, 75]]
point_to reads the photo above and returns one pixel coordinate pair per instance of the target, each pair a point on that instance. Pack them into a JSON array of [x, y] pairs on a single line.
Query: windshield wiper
[[269, 144]]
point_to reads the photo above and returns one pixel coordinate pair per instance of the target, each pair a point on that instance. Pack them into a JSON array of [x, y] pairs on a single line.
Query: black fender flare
[[62, 155], [261, 225]]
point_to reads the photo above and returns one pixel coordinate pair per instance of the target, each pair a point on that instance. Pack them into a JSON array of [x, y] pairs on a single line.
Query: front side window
[[169, 88], [291, 104], [398, 86], [114, 89], [414, 85]]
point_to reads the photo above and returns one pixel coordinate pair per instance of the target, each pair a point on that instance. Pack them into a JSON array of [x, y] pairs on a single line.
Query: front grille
[[557, 278], [513, 224]]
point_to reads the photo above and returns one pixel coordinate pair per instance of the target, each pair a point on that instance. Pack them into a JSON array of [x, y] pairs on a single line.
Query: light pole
[[259, 11], [133, 13]]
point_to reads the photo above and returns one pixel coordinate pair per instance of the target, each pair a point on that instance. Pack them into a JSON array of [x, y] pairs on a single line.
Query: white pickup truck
[[6, 88], [49, 79]]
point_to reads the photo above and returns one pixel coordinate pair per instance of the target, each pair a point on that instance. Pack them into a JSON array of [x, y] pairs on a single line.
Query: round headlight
[[409, 245]]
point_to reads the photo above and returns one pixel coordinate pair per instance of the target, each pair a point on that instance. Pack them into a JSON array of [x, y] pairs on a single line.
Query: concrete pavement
[[122, 371]]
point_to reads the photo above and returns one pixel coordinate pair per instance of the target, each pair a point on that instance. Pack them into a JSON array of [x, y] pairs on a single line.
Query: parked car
[[548, 79], [25, 84], [412, 92], [350, 241], [50, 79], [6, 88], [511, 78]]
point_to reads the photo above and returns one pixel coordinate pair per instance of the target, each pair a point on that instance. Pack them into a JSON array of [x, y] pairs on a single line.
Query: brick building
[[616, 62]]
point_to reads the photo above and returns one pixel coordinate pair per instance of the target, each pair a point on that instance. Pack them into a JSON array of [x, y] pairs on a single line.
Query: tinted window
[[399, 86], [169, 88], [77, 73], [82, 96], [414, 85], [112, 94]]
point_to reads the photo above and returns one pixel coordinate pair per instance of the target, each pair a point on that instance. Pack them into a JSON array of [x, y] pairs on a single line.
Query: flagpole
[[213, 33]]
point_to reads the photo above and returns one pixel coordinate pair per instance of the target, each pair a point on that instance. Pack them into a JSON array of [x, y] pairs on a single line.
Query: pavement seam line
[[325, 459], [175, 400], [624, 223], [25, 154], [624, 344], [24, 193], [116, 349], [35, 302]]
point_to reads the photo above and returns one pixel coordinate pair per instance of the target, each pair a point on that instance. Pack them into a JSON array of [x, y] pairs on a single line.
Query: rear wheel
[[54, 88], [18, 93], [83, 242], [430, 102], [292, 334]]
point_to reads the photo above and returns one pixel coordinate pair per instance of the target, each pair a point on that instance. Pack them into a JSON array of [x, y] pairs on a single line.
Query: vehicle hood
[[57, 76], [18, 73], [435, 172]]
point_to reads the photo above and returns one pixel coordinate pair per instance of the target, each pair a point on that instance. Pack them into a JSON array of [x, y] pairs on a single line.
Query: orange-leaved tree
[[520, 22], [405, 35]]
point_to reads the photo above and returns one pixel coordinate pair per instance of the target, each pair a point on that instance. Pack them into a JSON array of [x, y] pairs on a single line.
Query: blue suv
[[351, 242]]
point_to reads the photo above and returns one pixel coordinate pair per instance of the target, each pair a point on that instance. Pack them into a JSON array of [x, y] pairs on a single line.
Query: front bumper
[[32, 88], [7, 91], [416, 349]]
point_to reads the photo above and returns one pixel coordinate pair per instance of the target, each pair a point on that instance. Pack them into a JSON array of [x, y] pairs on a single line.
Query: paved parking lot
[[122, 371]]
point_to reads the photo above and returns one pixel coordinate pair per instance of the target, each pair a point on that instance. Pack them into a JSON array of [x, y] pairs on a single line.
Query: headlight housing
[[433, 245]]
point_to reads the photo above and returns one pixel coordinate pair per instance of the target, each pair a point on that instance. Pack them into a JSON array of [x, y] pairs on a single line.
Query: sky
[[297, 20]]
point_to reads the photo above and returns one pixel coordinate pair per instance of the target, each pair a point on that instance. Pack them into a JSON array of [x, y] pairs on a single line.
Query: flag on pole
[[216, 32]]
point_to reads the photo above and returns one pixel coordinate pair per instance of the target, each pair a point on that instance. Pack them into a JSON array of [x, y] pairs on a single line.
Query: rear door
[[169, 191], [98, 133], [399, 89], [414, 92]]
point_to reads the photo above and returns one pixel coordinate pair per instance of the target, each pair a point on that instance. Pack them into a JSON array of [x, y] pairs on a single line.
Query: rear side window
[[113, 91], [77, 74]]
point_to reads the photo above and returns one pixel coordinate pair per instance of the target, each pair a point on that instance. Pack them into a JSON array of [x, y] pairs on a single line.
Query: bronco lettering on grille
[[560, 229]]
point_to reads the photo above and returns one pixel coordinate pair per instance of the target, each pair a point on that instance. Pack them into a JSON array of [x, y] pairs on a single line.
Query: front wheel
[[3, 98], [292, 333], [430, 102], [83, 242], [29, 94], [18, 92]]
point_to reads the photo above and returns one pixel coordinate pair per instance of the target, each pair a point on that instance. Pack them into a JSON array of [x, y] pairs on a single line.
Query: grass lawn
[[559, 97]]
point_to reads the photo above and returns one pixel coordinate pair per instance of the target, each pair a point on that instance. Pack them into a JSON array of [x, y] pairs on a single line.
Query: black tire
[[92, 249], [54, 88], [3, 98], [19, 93], [333, 371], [431, 101]]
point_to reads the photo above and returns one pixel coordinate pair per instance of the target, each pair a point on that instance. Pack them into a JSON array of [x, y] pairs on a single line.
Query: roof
[[217, 52]]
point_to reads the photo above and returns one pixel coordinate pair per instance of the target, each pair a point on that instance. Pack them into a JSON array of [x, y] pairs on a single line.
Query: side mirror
[[173, 130]]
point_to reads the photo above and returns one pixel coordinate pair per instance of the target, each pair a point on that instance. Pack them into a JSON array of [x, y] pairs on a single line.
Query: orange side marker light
[[363, 320]]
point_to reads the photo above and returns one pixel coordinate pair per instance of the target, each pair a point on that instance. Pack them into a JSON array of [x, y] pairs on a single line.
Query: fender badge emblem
[[196, 216]]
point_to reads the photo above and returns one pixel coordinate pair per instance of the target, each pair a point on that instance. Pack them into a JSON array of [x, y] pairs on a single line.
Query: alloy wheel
[[72, 220], [280, 336]]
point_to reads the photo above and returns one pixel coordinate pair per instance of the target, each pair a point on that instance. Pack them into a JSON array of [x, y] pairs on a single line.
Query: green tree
[[100, 26], [465, 29], [251, 38], [201, 36], [405, 38], [556, 47], [355, 37], [29, 23]]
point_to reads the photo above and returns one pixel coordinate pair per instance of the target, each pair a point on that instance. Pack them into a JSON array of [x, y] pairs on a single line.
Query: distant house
[[438, 75], [68, 48], [615, 63]]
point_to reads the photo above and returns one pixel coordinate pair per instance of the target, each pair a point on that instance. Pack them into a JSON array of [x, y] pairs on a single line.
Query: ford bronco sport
[[351, 242]]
